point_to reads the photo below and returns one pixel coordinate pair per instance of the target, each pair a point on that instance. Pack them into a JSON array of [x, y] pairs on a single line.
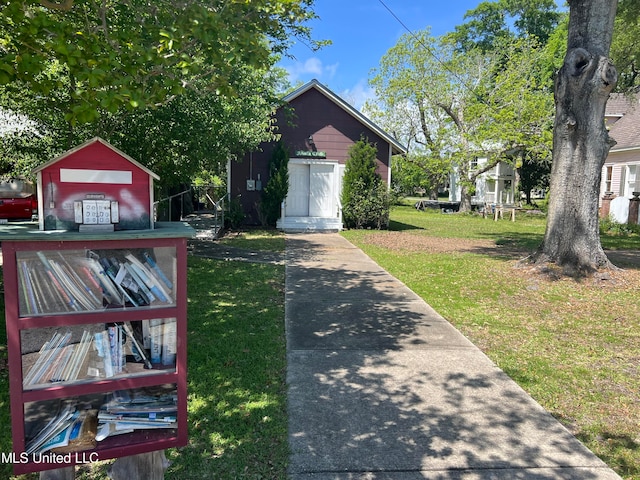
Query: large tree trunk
[[580, 141], [465, 200]]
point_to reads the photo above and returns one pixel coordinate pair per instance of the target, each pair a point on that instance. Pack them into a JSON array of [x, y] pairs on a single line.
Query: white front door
[[321, 190], [298, 195], [311, 190]]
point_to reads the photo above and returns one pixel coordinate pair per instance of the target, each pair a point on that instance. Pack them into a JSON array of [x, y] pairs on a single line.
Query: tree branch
[[449, 111]]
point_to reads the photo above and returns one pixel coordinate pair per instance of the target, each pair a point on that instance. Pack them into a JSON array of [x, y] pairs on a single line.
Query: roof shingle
[[625, 131]]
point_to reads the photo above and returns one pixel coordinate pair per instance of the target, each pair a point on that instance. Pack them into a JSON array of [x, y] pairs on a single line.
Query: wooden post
[[67, 473], [145, 466]]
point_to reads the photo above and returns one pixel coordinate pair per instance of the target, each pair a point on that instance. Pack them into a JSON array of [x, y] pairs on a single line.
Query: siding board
[[310, 114]]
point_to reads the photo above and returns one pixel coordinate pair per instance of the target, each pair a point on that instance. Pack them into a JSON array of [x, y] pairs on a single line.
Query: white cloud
[[358, 94], [311, 68]]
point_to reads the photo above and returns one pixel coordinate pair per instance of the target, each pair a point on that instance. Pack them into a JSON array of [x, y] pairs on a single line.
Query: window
[[633, 180], [607, 181]]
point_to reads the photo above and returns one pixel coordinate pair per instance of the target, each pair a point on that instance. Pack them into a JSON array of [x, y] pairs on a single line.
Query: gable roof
[[90, 142], [625, 131], [397, 147]]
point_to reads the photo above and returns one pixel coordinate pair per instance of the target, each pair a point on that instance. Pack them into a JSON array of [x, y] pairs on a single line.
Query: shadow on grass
[[236, 365], [624, 258], [519, 245], [509, 245], [619, 451], [400, 226]]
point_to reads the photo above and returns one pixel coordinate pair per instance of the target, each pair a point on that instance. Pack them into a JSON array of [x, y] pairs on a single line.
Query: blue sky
[[362, 31]]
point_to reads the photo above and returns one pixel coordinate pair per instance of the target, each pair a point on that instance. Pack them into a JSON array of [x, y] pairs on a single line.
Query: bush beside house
[[277, 187], [365, 197]]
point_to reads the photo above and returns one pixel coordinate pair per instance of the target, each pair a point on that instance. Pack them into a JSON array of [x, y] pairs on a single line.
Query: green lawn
[[572, 346]]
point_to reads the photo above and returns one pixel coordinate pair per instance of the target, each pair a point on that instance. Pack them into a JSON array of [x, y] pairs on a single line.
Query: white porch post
[[496, 190]]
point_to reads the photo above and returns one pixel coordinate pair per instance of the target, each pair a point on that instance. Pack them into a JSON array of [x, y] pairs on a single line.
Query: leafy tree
[[554, 49], [534, 174], [180, 87], [416, 171], [277, 186], [463, 105], [625, 46], [198, 130], [132, 54], [580, 142], [485, 27], [520, 19], [408, 85], [490, 24], [22, 143], [365, 200], [48, 133]]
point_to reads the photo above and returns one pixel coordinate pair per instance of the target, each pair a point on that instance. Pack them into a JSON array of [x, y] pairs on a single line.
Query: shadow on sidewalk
[[380, 383]]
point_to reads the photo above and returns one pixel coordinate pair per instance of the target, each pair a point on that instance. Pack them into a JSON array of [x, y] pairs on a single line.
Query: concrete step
[[309, 224]]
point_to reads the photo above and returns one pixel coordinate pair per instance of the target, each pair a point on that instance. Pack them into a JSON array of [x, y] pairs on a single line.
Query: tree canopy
[[465, 104], [115, 54], [625, 46], [181, 87], [492, 22]]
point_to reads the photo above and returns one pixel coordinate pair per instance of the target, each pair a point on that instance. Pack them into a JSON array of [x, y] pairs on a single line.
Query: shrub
[[234, 214], [368, 207], [365, 198], [609, 226], [277, 186]]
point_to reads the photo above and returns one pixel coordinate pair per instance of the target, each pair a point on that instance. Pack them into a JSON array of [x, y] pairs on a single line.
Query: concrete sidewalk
[[382, 387]]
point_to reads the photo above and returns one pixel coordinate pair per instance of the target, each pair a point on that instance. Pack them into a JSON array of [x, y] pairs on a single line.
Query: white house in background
[[621, 170], [495, 186]]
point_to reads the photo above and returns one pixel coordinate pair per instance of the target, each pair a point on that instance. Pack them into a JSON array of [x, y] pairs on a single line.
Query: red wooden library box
[[95, 187], [96, 312]]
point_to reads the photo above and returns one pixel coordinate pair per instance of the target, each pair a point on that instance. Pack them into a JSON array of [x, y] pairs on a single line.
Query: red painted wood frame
[[122, 445]]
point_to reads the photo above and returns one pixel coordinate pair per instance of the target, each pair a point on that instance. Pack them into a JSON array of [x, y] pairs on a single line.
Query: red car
[[18, 206]]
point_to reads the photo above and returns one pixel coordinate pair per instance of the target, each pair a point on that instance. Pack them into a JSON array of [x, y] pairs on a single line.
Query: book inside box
[[61, 282], [81, 353], [92, 422]]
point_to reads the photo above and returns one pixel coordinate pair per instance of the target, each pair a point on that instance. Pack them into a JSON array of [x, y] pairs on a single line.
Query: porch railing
[[157, 205], [195, 199]]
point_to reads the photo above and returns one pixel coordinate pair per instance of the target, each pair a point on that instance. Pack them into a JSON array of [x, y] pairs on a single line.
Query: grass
[[527, 231], [255, 239], [236, 374], [573, 346], [237, 407]]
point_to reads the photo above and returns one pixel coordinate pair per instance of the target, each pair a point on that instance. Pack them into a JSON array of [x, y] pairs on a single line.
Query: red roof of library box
[[94, 187]]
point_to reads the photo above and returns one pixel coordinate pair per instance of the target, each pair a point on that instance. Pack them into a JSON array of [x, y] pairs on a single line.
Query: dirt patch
[[406, 242], [403, 241]]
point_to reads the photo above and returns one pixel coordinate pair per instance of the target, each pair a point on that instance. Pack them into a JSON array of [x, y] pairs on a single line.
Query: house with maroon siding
[[317, 127]]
